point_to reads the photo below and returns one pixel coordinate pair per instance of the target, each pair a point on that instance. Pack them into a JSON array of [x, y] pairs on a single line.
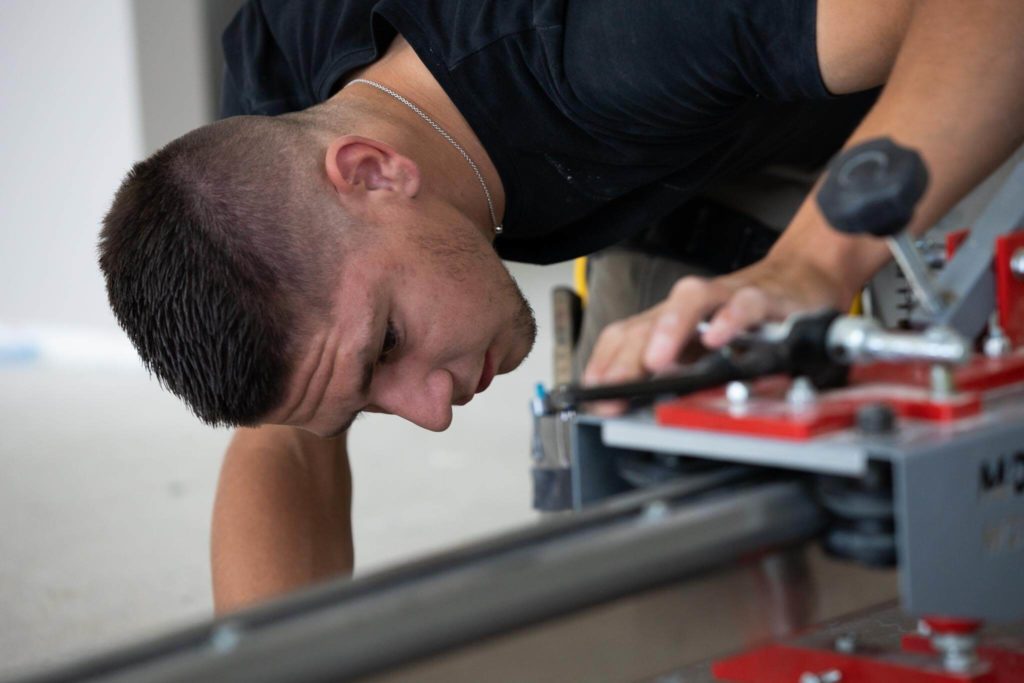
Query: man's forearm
[[954, 94], [282, 515]]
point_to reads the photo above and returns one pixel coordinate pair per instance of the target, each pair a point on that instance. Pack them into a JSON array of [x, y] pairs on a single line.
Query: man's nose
[[426, 402]]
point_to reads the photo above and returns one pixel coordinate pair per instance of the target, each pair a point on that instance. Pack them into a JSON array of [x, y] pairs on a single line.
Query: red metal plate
[[1009, 287], [786, 664], [767, 413], [980, 374], [1007, 659]]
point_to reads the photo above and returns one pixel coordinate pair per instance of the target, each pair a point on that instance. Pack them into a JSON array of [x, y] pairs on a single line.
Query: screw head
[[846, 643], [737, 393], [876, 418], [1017, 263], [802, 393], [830, 676]]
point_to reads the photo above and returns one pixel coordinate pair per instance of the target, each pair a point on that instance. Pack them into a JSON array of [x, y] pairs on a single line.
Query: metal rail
[[353, 629]]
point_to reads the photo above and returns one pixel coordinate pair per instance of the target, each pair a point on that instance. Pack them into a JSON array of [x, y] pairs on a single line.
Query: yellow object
[[579, 278], [857, 307]]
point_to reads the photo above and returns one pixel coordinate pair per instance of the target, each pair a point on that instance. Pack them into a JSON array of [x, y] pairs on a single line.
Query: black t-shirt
[[601, 116]]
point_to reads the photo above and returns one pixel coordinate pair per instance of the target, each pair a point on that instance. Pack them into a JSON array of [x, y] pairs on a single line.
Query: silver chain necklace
[[443, 133]]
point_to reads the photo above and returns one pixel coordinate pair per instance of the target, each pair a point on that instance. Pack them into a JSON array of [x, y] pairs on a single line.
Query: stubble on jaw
[[526, 322], [461, 254]]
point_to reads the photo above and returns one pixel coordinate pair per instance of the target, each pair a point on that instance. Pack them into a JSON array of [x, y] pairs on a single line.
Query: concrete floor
[[106, 485]]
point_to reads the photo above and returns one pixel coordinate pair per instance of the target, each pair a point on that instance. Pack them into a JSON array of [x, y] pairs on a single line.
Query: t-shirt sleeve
[[258, 77], [679, 62]]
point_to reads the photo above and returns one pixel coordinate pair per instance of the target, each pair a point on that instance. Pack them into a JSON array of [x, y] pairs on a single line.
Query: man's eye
[[390, 342]]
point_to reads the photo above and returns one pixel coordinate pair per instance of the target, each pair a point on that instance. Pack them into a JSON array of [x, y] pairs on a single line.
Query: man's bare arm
[[282, 516], [954, 93]]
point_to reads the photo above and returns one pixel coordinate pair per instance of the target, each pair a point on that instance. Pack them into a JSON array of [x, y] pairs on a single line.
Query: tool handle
[[873, 188]]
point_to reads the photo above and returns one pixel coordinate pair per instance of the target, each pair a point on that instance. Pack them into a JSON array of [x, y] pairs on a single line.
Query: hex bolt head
[[943, 385], [1017, 264], [846, 643], [737, 393], [830, 676], [876, 418], [802, 393]]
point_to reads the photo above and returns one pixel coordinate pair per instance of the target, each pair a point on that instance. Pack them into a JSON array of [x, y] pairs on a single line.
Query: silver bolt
[[830, 676], [225, 638], [655, 511], [801, 393], [996, 344], [959, 651], [737, 393], [1017, 264], [943, 384], [846, 643]]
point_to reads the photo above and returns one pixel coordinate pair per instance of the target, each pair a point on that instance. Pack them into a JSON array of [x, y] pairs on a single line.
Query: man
[[339, 251]]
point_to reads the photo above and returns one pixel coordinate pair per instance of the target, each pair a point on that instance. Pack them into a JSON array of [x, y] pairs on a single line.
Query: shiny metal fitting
[[1017, 264], [830, 676]]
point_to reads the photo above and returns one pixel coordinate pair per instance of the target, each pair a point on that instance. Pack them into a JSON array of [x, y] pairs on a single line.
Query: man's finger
[[691, 299], [625, 367], [748, 307], [605, 350]]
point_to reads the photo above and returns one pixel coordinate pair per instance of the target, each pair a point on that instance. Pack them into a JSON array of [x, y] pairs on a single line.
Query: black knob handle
[[873, 188]]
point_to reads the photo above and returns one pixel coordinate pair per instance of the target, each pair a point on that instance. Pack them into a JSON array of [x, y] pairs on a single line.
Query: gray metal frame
[[969, 278], [958, 493]]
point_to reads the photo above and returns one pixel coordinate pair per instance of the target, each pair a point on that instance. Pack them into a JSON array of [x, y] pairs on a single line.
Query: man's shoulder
[[280, 56]]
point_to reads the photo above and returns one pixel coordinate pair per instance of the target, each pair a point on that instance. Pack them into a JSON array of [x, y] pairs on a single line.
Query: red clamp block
[[786, 664], [1009, 287], [1001, 661]]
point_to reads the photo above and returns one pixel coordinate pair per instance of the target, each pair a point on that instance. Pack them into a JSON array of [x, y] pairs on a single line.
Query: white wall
[[69, 130]]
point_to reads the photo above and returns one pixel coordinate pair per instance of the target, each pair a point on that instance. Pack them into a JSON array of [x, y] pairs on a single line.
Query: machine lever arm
[[873, 189], [818, 345]]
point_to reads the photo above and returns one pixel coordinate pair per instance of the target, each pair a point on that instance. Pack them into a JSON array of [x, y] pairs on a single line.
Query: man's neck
[[448, 174]]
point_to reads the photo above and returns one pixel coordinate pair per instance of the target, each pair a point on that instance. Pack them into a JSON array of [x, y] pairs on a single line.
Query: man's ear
[[357, 165]]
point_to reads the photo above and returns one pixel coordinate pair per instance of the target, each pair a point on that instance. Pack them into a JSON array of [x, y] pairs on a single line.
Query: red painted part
[[785, 664], [980, 374], [916, 643], [1009, 287], [951, 625], [768, 414], [954, 240], [962, 405], [901, 385]]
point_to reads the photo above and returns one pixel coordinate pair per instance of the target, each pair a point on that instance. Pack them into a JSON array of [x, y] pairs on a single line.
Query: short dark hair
[[209, 253]]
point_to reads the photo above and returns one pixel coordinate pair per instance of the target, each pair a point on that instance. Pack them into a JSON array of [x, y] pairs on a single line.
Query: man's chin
[[524, 332], [525, 341]]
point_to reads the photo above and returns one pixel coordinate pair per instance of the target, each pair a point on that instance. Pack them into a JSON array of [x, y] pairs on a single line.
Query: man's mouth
[[487, 374]]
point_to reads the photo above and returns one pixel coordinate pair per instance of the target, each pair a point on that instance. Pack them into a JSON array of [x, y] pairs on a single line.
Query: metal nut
[[1017, 264], [830, 676], [737, 393], [801, 393], [846, 643]]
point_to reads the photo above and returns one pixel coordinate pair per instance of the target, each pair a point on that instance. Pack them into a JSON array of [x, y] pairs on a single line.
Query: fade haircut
[[216, 253]]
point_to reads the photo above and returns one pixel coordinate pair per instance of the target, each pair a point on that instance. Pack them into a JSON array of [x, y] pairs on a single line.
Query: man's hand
[[655, 340], [962, 110]]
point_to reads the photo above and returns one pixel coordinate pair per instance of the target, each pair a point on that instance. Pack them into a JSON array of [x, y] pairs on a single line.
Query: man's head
[[263, 266]]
